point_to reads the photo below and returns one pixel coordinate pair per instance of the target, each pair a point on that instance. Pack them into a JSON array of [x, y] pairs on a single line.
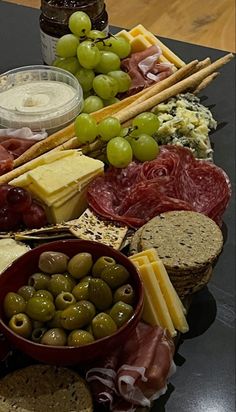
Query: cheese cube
[[139, 43], [125, 35]]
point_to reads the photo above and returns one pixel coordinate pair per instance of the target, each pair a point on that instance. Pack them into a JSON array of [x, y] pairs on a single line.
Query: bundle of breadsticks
[[194, 77]]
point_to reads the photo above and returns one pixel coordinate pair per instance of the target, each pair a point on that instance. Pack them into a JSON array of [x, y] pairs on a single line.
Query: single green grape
[[109, 61], [105, 86], [85, 78], [70, 64], [119, 46], [119, 152], [109, 128], [123, 79], [80, 23], [67, 46], [92, 104], [97, 35], [145, 148], [88, 54], [145, 122], [85, 128]]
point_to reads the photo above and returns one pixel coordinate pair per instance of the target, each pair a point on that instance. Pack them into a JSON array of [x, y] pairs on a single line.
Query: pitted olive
[[59, 283], [41, 309], [64, 299], [75, 317], [54, 337], [81, 291], [21, 324], [79, 337], [124, 293], [103, 325], [100, 294], [121, 312], [26, 292], [43, 293], [102, 263], [53, 262], [39, 281], [13, 304], [115, 275]]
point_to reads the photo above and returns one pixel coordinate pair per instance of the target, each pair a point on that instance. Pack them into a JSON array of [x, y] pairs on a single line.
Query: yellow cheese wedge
[[151, 254], [70, 209], [149, 314], [142, 260], [139, 43], [154, 294], [125, 35], [53, 177], [171, 298]]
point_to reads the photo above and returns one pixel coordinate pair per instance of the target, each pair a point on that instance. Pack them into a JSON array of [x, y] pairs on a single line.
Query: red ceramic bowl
[[17, 275]]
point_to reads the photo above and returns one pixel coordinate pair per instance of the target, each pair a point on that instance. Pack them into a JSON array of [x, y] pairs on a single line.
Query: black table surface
[[204, 380]]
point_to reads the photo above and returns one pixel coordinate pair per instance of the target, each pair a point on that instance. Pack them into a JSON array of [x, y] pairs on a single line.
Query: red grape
[[3, 193], [18, 199], [9, 220], [35, 216]]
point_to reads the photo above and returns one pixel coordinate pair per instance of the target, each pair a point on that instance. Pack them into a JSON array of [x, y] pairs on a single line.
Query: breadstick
[[45, 145], [190, 82], [205, 82]]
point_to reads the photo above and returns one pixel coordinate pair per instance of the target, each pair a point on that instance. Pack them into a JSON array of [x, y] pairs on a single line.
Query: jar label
[[48, 44]]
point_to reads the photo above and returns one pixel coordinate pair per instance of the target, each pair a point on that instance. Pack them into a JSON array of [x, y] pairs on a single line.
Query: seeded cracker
[[89, 227], [44, 388], [185, 241]]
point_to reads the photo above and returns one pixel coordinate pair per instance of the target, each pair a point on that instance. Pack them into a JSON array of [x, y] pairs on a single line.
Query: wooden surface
[[206, 22]]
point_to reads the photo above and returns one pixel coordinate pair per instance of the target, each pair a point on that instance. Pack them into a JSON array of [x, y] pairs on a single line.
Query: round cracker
[[185, 241], [43, 387]]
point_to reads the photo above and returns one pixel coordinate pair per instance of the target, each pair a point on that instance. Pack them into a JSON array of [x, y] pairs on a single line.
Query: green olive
[[115, 275], [53, 262], [36, 324], [79, 337], [55, 322], [88, 307], [75, 316], [39, 281], [80, 265], [40, 309], [103, 325], [86, 279], [37, 334], [121, 312], [102, 263], [81, 291], [100, 294], [71, 279], [54, 337], [59, 283], [13, 304], [21, 324], [42, 293], [124, 293], [26, 292], [64, 299]]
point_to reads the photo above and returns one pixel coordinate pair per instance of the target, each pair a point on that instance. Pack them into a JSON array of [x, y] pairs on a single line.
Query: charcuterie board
[[210, 315]]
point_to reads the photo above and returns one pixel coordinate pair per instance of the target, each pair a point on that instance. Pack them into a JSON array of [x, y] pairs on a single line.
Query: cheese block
[[151, 254], [154, 295], [125, 35], [142, 260], [172, 300], [149, 314]]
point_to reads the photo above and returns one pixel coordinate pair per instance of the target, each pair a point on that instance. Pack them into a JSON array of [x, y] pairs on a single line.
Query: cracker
[[186, 241], [44, 388], [90, 227]]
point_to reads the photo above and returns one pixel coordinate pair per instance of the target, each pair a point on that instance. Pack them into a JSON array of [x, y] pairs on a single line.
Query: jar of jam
[[54, 19]]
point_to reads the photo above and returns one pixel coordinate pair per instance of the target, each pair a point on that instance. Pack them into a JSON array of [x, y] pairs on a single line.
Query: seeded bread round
[[135, 241], [41, 388], [186, 241]]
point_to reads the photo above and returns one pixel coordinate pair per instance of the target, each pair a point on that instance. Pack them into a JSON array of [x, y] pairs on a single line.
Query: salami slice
[[6, 161], [175, 180]]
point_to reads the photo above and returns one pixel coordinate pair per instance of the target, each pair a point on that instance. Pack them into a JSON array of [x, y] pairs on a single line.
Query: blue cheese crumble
[[184, 121]]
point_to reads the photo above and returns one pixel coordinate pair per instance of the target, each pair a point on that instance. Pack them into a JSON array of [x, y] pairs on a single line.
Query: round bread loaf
[[187, 242], [41, 388]]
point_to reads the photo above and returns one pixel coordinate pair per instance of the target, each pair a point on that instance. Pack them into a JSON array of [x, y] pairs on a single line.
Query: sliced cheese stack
[[140, 39], [162, 305], [60, 183]]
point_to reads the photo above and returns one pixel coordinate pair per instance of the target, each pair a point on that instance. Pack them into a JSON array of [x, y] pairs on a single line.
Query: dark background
[[205, 377]]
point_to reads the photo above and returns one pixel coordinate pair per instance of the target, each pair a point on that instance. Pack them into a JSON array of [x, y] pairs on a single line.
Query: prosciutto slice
[[145, 69], [137, 374], [175, 180], [16, 146], [6, 160]]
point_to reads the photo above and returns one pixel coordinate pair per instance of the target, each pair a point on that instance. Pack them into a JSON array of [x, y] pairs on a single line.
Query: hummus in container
[[39, 97]]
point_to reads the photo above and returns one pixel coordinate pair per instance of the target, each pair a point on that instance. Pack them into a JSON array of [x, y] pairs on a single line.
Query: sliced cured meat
[[145, 69], [6, 160], [16, 146], [175, 180], [135, 375]]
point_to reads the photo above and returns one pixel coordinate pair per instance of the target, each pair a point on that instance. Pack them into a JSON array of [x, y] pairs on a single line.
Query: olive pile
[[71, 301]]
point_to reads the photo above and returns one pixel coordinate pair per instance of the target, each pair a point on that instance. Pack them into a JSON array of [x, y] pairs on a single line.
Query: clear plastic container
[[39, 97]]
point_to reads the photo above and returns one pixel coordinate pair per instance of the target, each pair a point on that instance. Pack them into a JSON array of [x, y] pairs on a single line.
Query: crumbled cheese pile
[[184, 121], [10, 250]]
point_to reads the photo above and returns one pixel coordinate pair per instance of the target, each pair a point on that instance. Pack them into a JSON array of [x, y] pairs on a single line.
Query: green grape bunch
[[94, 58], [122, 144]]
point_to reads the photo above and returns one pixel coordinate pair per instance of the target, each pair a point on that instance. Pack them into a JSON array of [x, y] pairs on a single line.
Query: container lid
[[39, 97]]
